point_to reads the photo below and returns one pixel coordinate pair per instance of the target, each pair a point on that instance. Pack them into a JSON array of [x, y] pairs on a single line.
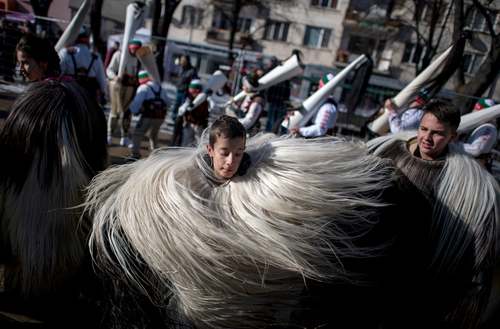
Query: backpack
[[81, 75], [154, 108]]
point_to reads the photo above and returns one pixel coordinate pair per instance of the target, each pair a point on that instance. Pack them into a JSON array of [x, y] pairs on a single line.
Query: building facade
[[329, 33]]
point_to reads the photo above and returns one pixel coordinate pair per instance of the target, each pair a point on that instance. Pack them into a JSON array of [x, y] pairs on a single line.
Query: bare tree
[[489, 69], [155, 27], [163, 14], [430, 21], [434, 21], [95, 25], [231, 9], [41, 8]]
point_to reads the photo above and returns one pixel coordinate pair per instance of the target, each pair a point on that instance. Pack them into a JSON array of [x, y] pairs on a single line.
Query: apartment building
[[330, 33], [275, 28]]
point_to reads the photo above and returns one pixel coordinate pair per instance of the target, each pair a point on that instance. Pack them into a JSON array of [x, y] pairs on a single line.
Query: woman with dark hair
[[37, 58], [52, 144]]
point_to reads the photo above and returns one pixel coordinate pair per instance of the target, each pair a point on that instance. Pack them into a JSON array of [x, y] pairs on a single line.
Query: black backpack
[[81, 75], [154, 108]]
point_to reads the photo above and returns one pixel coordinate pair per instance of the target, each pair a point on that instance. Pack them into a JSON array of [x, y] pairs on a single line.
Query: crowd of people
[[236, 226]]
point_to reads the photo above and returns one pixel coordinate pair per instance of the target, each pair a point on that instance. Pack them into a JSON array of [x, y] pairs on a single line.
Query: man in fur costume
[[268, 231], [465, 211], [53, 143]]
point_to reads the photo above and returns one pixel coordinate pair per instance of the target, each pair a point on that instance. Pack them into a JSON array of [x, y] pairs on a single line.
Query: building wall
[[298, 13]]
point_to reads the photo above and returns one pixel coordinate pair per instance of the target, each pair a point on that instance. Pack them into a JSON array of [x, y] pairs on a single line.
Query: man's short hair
[[227, 127], [444, 111]]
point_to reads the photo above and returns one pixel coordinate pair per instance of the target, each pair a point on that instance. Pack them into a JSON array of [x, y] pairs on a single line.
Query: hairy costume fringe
[[465, 217], [41, 228], [233, 255], [54, 142]]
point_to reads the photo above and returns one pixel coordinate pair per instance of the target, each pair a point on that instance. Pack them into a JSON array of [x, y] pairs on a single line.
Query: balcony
[[221, 37]]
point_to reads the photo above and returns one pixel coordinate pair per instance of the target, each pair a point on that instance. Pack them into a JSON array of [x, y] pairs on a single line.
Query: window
[[324, 3], [244, 24], [412, 53], [220, 20], [317, 37], [360, 45], [191, 16], [276, 30], [476, 21], [426, 11], [471, 62]]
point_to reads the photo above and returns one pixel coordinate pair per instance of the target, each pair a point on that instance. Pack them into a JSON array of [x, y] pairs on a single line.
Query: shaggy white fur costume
[[236, 254]]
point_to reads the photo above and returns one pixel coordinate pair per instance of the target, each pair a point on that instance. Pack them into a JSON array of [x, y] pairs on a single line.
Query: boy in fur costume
[[465, 211], [268, 231]]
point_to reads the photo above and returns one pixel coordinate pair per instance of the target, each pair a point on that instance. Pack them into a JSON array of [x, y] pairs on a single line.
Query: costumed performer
[[53, 143], [464, 226], [244, 233]]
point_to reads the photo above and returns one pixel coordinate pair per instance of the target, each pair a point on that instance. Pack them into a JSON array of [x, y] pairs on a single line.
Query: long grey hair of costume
[[233, 254], [52, 144], [465, 213]]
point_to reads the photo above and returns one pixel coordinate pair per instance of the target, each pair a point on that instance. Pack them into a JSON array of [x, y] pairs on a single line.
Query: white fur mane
[[233, 254]]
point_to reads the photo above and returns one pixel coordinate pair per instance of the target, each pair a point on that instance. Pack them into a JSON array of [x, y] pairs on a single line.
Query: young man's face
[[433, 137], [194, 92], [183, 61], [226, 155], [31, 69]]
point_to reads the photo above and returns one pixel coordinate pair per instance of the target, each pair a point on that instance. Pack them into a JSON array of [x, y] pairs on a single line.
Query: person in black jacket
[[188, 73]]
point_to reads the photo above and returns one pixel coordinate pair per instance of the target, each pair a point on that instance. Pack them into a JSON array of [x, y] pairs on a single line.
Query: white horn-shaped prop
[[287, 70], [472, 120], [310, 106], [71, 32], [133, 20], [145, 55], [216, 81], [381, 124]]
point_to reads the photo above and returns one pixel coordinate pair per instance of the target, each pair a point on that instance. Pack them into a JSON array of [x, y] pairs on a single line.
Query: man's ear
[[210, 150], [454, 136]]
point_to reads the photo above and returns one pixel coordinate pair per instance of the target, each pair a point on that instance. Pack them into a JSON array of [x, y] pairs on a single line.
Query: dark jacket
[[185, 77]]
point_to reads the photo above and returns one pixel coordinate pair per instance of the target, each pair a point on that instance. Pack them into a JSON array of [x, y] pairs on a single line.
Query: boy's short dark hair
[[228, 127], [444, 111]]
